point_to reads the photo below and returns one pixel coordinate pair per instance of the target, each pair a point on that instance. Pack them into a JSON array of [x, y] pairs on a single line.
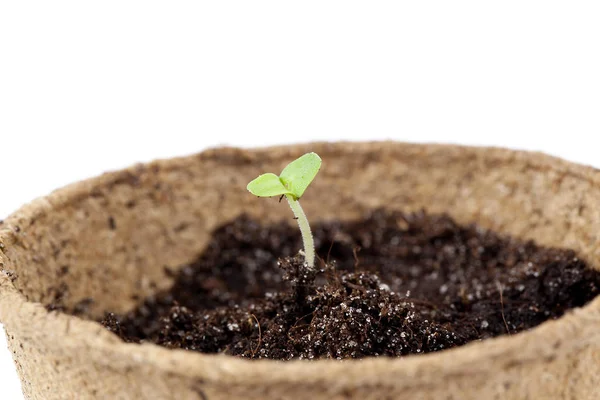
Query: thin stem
[[309, 244]]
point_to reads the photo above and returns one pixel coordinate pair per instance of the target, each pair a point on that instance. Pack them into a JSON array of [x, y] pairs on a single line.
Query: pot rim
[[545, 341]]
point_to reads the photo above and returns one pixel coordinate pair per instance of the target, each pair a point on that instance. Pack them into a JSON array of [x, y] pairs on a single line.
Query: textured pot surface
[[110, 239]]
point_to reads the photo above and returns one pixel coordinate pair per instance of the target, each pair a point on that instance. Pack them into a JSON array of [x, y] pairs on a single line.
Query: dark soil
[[391, 284]]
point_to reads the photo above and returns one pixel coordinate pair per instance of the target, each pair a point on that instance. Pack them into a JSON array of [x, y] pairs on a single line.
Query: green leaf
[[267, 185], [300, 173]]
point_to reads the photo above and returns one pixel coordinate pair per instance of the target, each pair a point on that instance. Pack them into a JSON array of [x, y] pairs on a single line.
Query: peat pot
[[110, 238]]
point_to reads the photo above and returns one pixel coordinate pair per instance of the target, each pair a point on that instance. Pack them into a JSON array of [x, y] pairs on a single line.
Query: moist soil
[[389, 284]]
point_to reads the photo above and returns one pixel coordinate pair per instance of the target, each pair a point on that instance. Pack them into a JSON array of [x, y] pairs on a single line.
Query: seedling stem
[[307, 238]]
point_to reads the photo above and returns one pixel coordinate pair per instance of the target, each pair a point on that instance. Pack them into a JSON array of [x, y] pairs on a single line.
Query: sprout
[[291, 183]]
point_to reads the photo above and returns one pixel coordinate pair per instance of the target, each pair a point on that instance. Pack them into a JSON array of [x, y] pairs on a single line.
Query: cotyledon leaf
[[298, 174], [267, 185]]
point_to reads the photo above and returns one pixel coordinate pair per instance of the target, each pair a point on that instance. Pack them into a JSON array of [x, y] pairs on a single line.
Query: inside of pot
[[109, 243]]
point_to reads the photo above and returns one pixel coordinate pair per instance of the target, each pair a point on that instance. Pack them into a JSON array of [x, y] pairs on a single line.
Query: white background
[[92, 86]]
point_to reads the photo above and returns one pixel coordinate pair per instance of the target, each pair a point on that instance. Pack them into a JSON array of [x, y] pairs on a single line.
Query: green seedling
[[291, 183]]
